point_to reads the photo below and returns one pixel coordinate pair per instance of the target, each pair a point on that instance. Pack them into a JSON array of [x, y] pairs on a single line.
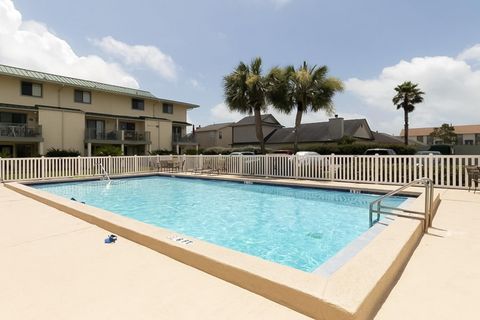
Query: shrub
[[52, 152], [5, 155], [108, 150], [216, 150], [161, 152], [193, 151]]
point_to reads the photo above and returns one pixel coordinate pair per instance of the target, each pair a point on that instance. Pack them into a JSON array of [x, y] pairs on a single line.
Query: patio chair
[[473, 173], [208, 167]]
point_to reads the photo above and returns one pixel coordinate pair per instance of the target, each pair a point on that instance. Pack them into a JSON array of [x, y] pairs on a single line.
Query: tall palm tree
[[303, 89], [245, 92], [408, 94]]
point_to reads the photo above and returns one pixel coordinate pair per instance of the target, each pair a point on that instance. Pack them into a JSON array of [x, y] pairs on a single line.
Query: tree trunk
[[298, 121], [406, 126], [259, 130]]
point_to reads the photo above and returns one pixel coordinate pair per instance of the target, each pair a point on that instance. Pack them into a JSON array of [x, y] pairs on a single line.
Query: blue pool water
[[297, 227]]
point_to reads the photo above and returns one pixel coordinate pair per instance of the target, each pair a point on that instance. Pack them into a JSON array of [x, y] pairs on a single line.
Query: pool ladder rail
[[104, 172], [378, 208]]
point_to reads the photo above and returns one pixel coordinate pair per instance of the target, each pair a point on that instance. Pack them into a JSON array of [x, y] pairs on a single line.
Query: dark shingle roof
[[315, 132], [266, 119], [386, 138], [214, 127]]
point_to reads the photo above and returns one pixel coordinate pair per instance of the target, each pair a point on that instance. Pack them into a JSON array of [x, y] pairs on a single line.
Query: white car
[[242, 153], [426, 153], [306, 153]]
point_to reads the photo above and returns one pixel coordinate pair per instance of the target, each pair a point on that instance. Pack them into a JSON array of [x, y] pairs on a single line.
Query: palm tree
[[245, 92], [304, 89], [408, 94]]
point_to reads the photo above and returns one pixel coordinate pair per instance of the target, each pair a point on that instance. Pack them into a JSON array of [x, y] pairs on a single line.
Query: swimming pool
[[297, 227]]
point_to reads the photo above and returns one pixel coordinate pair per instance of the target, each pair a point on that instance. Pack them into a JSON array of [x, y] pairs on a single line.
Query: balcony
[[15, 132], [117, 136], [188, 139]]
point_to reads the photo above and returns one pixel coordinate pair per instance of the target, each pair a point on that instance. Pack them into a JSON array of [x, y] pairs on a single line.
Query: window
[[469, 142], [420, 138], [130, 126], [219, 134], [459, 139], [168, 108], [9, 117], [83, 96], [31, 89], [138, 104]]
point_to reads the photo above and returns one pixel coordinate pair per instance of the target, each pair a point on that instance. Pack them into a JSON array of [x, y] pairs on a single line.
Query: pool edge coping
[[275, 282]]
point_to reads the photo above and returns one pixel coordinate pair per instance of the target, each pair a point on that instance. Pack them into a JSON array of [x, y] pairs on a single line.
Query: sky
[[181, 50]]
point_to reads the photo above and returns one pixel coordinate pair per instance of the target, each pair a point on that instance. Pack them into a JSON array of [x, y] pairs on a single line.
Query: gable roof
[[462, 129], [80, 83], [214, 127], [267, 119], [316, 132], [386, 138]]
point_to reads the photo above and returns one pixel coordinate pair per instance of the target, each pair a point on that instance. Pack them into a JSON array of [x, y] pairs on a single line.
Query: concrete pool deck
[[55, 266], [86, 269]]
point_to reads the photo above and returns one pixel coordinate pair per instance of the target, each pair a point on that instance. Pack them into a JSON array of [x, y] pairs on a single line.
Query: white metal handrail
[[105, 175], [378, 208]]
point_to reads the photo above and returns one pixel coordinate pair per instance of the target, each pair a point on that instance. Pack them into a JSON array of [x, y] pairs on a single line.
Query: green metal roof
[[80, 83]]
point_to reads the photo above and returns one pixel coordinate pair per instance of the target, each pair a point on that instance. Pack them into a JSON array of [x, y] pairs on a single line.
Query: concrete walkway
[[442, 279], [54, 266]]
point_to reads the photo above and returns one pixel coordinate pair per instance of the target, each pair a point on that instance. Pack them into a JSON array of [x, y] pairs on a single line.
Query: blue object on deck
[[111, 239]]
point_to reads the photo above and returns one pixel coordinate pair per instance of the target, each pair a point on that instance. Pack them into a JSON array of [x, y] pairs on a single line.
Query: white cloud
[[139, 55], [29, 44], [451, 86], [221, 113], [472, 53]]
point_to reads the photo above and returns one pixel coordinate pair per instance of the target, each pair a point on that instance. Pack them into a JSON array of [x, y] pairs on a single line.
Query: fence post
[[266, 166], [79, 161], [376, 165], [110, 165], [42, 172], [200, 162], [430, 166], [295, 166], [331, 166], [135, 163], [240, 165], [184, 162]]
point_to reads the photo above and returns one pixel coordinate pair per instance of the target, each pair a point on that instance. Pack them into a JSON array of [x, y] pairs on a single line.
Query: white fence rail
[[445, 171]]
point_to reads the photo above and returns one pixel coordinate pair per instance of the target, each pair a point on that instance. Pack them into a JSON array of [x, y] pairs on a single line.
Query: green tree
[[446, 133], [303, 89], [245, 92], [408, 94]]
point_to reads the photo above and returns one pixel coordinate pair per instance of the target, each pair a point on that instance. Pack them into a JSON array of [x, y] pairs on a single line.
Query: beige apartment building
[[40, 111], [465, 135]]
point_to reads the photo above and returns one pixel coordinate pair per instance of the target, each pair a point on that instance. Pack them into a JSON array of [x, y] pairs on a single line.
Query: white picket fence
[[445, 171]]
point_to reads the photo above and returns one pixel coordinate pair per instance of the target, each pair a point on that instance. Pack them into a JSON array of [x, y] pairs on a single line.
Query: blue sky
[[181, 49]]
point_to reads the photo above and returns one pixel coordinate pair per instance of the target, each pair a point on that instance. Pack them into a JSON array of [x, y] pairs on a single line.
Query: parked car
[[426, 153], [242, 153], [289, 152], [307, 153], [443, 149], [380, 151]]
